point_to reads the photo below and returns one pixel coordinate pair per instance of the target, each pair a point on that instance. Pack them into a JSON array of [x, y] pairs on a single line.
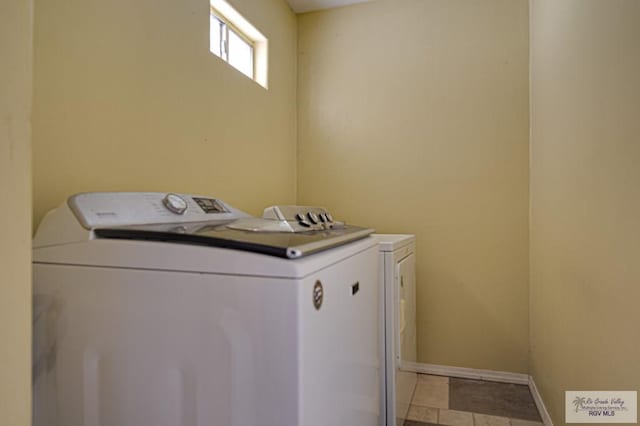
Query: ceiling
[[301, 6]]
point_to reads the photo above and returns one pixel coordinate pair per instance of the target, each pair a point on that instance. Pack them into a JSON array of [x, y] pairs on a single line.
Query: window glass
[[237, 42], [240, 54], [215, 36]]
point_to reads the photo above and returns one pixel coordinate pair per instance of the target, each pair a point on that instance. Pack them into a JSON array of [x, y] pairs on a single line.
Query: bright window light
[[240, 54], [234, 40], [215, 35]]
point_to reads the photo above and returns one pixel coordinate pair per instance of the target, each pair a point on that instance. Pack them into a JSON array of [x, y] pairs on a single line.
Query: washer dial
[[175, 203]]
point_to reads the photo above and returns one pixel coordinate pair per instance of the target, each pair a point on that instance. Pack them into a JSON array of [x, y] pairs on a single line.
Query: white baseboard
[[489, 375], [542, 409], [467, 373]]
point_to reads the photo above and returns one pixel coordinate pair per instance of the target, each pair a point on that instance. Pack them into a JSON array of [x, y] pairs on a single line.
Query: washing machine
[[398, 345], [156, 309]]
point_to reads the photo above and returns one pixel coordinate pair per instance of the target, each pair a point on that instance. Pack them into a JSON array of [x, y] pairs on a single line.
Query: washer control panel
[[106, 209], [210, 205], [302, 218]]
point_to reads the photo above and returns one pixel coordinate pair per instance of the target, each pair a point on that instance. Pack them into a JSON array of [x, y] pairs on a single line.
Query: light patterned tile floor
[[439, 400], [518, 422], [423, 414], [455, 418], [431, 391], [486, 420]]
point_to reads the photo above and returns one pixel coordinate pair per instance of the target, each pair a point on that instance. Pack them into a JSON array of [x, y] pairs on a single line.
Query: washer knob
[[312, 217], [175, 203]]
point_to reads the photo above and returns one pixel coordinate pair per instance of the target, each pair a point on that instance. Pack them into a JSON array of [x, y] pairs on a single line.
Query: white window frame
[[226, 28], [233, 21]]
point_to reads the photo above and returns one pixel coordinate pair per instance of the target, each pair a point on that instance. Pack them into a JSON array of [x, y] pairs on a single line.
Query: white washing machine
[[154, 310], [398, 324]]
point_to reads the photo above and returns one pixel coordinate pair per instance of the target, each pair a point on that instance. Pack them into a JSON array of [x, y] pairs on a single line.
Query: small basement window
[[234, 40]]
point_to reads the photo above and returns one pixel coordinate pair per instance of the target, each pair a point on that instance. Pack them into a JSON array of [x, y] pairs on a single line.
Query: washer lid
[[281, 244], [283, 231]]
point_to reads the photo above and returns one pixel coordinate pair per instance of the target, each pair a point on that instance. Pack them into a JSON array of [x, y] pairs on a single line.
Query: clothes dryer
[[398, 325]]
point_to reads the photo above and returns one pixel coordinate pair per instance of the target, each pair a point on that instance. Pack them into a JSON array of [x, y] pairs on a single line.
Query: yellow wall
[[585, 187], [128, 97], [413, 117], [15, 214]]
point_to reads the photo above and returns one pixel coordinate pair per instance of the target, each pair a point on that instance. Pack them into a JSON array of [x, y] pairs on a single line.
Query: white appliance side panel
[[130, 348], [391, 328], [382, 343], [406, 349], [399, 384], [406, 278], [340, 362]]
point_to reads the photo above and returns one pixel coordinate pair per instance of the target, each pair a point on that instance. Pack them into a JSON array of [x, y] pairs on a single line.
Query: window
[[231, 46], [234, 40]]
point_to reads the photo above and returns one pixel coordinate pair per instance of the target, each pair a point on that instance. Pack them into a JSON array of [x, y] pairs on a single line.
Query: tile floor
[[439, 400]]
